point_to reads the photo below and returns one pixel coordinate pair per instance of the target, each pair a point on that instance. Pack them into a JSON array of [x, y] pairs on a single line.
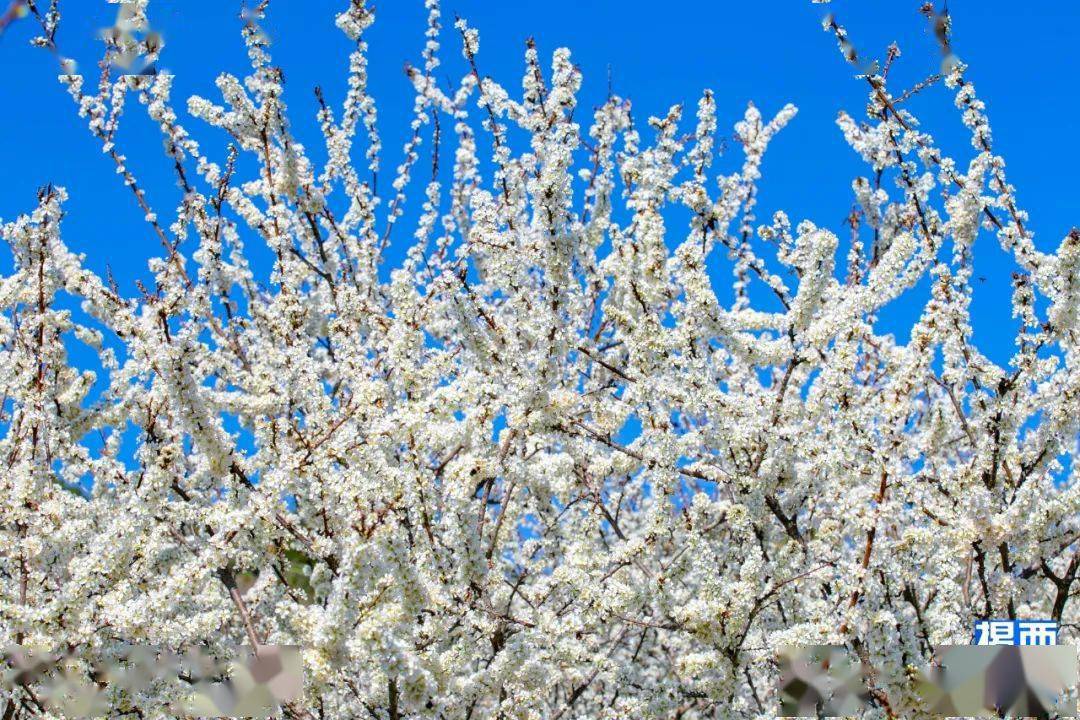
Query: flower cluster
[[542, 469]]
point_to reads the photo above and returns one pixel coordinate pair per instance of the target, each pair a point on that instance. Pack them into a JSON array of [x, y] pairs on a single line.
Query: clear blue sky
[[1022, 59]]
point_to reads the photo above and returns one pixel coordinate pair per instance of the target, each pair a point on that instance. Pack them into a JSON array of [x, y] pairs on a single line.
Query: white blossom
[[546, 467]]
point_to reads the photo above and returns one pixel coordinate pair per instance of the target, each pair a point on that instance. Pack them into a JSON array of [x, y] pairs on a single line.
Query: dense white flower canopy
[[542, 471]]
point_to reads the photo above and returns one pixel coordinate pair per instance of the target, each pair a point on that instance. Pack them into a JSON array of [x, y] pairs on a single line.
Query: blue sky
[[1021, 56]]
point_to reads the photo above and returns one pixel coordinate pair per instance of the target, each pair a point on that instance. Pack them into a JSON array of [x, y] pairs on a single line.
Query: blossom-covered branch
[[540, 469]]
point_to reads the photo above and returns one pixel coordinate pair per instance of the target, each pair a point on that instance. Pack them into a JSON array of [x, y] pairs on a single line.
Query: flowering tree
[[542, 471]]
